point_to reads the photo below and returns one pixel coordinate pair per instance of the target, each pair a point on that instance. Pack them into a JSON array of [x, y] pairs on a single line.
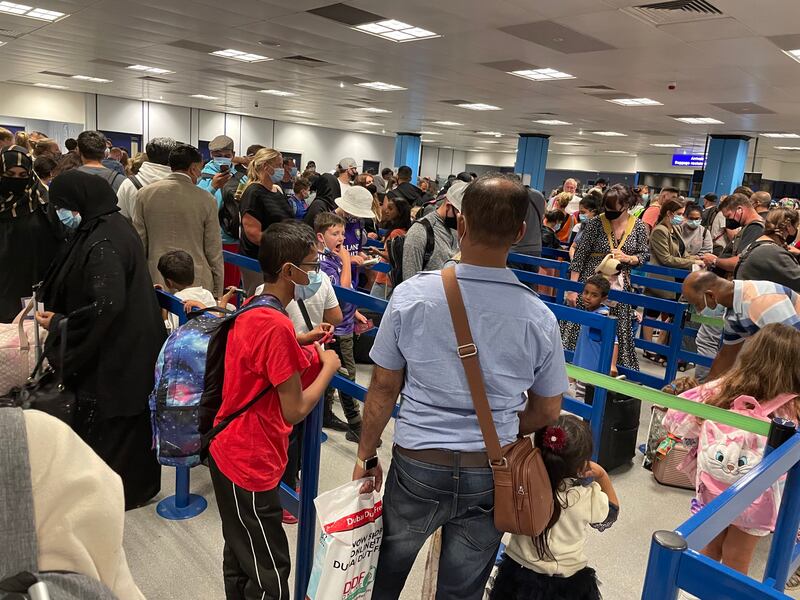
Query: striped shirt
[[756, 304]]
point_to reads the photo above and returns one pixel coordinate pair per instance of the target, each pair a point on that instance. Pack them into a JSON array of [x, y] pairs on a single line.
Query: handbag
[[44, 390], [16, 358], [523, 498]]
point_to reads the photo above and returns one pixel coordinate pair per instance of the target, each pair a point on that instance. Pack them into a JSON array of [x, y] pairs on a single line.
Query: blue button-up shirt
[[519, 347]]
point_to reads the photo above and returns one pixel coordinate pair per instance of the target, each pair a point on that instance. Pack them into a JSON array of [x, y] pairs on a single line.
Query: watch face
[[371, 463]]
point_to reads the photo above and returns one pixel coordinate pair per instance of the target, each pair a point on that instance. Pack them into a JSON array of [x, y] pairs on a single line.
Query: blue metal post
[[407, 151], [725, 164], [306, 539], [784, 540], [599, 395], [532, 158], [660, 582]]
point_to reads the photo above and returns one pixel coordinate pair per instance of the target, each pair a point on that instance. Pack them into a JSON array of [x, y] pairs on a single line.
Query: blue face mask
[[693, 224], [222, 160], [677, 220], [277, 176], [304, 292], [645, 197], [293, 172], [718, 311], [583, 217], [68, 218]]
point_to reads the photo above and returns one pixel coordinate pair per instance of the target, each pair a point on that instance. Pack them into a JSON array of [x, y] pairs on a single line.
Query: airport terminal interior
[[668, 131]]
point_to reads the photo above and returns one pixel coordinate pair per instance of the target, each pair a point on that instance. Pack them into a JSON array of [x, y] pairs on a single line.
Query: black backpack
[[394, 249], [228, 214], [708, 217]]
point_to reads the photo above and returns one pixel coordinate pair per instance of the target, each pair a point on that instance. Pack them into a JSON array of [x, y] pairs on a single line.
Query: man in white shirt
[[155, 168]]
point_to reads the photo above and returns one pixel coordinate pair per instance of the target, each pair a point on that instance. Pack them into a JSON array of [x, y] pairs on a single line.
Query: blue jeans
[[418, 499]]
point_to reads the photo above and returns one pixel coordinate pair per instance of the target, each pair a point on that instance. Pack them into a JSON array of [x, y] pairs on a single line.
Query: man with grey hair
[[155, 168]]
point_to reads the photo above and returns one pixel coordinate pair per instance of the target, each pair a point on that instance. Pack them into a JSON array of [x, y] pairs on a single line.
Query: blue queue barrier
[[562, 268], [675, 561], [556, 254]]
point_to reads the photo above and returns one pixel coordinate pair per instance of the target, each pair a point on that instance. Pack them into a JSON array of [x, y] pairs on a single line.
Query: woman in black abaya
[[114, 332]]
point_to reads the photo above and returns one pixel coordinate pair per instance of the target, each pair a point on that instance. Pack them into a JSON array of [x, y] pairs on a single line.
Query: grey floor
[[181, 560]]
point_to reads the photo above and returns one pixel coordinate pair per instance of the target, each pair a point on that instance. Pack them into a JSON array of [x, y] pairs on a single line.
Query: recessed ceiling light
[[635, 102], [91, 79], [699, 120], [490, 142], [204, 97], [610, 133], [239, 55], [427, 141], [568, 143], [277, 93], [2, 43], [381, 86], [494, 133], [448, 123], [541, 74], [615, 151], [551, 122], [793, 54], [429, 133], [780, 135], [665, 145], [309, 123], [396, 31], [373, 109], [23, 10], [367, 131], [146, 69], [52, 86], [294, 111], [479, 106], [370, 123], [787, 147]]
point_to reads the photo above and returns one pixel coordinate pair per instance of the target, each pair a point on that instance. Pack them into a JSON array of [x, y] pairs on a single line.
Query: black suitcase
[[620, 429]]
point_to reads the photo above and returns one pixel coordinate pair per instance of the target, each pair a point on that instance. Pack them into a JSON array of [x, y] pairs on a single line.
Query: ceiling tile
[[557, 37]]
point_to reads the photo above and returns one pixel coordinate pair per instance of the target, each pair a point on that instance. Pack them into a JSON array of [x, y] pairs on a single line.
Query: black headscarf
[[19, 201], [88, 194]]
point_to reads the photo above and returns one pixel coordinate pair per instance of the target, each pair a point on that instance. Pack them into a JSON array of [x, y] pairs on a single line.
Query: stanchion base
[[323, 437], [167, 509]]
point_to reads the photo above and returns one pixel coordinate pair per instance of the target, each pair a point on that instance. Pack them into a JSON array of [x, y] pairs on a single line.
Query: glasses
[[314, 266]]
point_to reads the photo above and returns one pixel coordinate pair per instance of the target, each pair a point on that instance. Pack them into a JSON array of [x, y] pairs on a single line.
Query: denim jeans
[[418, 499]]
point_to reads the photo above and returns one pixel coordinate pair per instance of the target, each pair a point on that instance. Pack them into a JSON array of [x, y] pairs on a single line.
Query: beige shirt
[[567, 537], [78, 506]]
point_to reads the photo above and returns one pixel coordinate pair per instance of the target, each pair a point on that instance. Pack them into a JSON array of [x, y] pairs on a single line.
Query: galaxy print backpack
[[188, 389]]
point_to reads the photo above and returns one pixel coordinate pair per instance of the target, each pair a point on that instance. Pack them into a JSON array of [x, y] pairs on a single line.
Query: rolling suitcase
[[620, 429]]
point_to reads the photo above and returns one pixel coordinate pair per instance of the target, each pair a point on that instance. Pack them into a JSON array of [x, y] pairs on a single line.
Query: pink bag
[[17, 353]]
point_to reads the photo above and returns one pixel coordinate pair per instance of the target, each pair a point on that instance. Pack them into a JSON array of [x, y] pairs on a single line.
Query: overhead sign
[[695, 161]]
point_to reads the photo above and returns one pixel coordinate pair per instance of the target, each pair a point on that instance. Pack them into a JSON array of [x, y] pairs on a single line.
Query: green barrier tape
[[698, 409], [703, 320]]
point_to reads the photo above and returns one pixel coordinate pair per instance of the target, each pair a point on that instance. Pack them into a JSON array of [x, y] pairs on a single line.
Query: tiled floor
[[181, 560]]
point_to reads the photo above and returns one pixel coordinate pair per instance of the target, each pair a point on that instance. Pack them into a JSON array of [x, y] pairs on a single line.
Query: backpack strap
[[135, 181], [610, 232], [17, 524], [777, 402], [430, 242], [306, 316]]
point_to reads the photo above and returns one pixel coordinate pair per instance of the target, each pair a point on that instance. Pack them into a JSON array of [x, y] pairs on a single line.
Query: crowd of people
[[94, 231]]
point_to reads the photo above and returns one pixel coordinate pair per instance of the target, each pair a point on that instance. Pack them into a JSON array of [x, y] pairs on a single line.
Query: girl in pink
[[764, 383]]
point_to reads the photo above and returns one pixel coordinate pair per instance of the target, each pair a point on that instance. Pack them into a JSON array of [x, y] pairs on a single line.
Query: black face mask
[[12, 186], [613, 215], [791, 238], [732, 224], [451, 222]]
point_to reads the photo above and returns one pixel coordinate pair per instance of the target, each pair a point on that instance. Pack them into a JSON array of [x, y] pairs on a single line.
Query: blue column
[[407, 148], [532, 158], [725, 163]]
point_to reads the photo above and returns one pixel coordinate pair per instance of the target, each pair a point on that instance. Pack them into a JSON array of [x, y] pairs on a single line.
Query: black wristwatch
[[369, 463]]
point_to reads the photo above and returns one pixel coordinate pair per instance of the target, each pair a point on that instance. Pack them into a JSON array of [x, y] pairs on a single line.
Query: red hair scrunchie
[[554, 439]]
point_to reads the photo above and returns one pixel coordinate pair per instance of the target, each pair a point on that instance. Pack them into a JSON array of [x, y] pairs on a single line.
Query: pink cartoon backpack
[[726, 454]]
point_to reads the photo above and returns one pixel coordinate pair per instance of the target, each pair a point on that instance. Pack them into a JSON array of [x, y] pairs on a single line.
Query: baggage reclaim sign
[[696, 161]]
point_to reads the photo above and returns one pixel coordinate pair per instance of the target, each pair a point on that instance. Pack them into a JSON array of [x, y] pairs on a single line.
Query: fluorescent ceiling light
[[91, 79], [307, 123], [699, 120], [239, 55], [479, 106], [373, 109], [396, 31], [541, 74], [552, 122], [787, 147], [204, 97], [494, 133], [23, 10], [490, 142], [793, 54], [369, 132], [277, 93], [146, 69], [780, 135], [616, 151], [52, 86], [427, 141], [429, 133], [381, 86], [448, 123], [610, 133], [665, 145], [296, 112], [371, 123], [635, 102], [568, 143]]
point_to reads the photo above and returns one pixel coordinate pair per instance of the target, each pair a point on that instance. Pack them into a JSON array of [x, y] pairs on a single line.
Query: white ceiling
[[728, 59]]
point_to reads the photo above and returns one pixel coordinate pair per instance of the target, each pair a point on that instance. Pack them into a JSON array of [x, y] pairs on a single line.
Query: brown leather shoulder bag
[[523, 499]]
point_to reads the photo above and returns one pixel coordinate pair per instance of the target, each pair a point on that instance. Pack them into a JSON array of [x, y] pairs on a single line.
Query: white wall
[[257, 131], [328, 146], [41, 103], [211, 124], [120, 114], [165, 120], [429, 162], [492, 159], [459, 163]]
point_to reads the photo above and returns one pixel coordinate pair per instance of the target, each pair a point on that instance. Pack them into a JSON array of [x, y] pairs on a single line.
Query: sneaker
[[333, 422], [289, 518]]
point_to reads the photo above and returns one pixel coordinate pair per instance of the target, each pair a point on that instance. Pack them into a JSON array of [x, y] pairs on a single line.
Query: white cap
[[455, 194], [348, 163], [356, 201]]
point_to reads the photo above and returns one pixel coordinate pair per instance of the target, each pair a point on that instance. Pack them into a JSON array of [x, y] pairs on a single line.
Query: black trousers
[[255, 559], [294, 454]]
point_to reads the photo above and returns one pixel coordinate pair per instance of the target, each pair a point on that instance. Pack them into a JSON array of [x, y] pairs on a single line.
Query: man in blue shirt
[[440, 475]]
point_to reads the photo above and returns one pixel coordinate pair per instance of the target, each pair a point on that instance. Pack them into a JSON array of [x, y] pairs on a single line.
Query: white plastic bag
[[346, 557]]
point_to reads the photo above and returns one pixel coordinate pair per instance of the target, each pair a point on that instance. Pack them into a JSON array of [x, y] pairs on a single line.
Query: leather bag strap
[[468, 353]]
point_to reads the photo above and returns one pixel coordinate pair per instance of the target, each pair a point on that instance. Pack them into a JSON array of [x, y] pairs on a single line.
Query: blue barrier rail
[[676, 563]]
